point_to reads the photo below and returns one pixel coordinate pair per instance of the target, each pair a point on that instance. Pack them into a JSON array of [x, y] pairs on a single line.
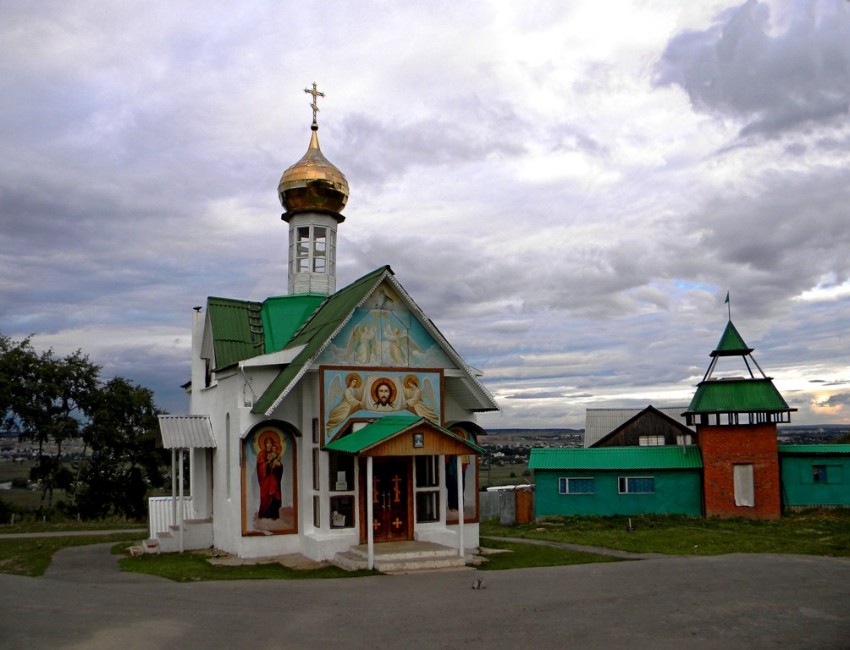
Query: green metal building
[[617, 481], [815, 475]]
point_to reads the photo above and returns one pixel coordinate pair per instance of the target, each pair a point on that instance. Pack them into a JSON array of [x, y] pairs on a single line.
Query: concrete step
[[403, 557]]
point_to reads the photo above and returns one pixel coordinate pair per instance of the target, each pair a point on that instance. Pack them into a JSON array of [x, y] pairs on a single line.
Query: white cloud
[[567, 190]]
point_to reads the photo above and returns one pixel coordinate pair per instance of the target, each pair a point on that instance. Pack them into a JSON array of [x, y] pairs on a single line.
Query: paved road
[[729, 602]]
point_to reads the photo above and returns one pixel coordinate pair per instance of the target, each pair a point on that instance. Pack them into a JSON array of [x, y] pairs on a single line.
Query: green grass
[[825, 532], [31, 557], [816, 532], [522, 556], [501, 475], [71, 525], [194, 567]]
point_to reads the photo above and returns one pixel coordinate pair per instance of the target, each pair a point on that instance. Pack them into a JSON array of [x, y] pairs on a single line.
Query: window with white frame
[[684, 439], [744, 485], [313, 249], [651, 441], [427, 488], [636, 485], [577, 485]]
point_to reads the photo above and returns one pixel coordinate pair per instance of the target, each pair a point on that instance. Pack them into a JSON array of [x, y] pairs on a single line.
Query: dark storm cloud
[[774, 78], [780, 234]]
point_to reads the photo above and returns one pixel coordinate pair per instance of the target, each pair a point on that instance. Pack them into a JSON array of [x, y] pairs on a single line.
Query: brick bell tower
[[736, 417]]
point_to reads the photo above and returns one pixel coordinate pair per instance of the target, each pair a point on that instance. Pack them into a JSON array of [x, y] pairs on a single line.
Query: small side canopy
[[403, 435], [186, 432]]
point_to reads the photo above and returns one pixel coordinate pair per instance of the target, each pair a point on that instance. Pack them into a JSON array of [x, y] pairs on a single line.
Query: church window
[[341, 468], [342, 512], [312, 249], [427, 488], [320, 249], [341, 479], [227, 453], [301, 259]]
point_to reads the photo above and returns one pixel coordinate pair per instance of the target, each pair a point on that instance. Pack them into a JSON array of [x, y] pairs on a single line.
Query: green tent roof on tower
[[729, 397], [731, 343]]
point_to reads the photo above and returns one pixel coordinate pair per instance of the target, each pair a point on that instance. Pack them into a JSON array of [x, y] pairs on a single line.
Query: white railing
[[161, 513]]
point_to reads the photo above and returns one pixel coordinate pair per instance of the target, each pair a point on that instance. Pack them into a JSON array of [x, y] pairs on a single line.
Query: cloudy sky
[[568, 189]]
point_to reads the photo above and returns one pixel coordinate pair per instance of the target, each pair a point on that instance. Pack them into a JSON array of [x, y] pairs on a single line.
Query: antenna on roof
[[728, 304]]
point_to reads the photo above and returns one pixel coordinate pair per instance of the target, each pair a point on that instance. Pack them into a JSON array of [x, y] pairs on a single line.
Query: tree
[[124, 461], [46, 399], [51, 400]]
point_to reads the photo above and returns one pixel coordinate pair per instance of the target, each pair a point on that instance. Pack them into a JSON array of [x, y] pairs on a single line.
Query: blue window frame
[[636, 485], [578, 485]]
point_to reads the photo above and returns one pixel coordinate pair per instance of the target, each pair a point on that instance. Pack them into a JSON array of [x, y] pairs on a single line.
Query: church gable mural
[[268, 482], [384, 332], [363, 393]]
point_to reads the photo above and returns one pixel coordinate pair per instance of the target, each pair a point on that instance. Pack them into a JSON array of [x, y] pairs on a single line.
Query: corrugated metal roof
[[806, 450], [242, 329], [731, 343], [617, 458], [385, 428], [285, 315], [737, 396], [186, 431], [237, 330], [600, 422]]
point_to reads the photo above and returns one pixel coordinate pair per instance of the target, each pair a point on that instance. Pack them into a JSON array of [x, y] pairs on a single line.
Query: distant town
[[512, 446], [503, 446]]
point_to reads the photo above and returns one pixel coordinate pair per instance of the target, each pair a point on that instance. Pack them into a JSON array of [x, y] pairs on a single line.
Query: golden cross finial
[[314, 105]]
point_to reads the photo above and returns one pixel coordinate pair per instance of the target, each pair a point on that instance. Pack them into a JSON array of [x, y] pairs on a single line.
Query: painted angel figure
[[363, 345], [351, 401], [413, 400], [369, 343], [400, 344]]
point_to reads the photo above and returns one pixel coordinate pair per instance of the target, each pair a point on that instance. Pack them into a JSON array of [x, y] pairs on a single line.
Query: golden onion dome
[[313, 183]]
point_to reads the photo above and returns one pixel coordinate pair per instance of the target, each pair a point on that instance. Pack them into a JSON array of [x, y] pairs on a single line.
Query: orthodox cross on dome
[[315, 93]]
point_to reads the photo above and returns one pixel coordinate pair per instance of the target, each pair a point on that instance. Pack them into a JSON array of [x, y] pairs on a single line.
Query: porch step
[[403, 557], [197, 534], [151, 546]]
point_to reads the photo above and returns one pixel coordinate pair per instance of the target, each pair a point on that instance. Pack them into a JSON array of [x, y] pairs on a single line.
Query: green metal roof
[[385, 428], [237, 330], [616, 458], [731, 343], [284, 315], [243, 329], [317, 331], [737, 396], [805, 450]]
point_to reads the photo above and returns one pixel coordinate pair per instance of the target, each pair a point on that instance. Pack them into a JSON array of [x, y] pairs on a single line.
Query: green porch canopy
[[384, 429]]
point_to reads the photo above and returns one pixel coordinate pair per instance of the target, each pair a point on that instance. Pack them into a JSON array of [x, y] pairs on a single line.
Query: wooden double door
[[392, 499]]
